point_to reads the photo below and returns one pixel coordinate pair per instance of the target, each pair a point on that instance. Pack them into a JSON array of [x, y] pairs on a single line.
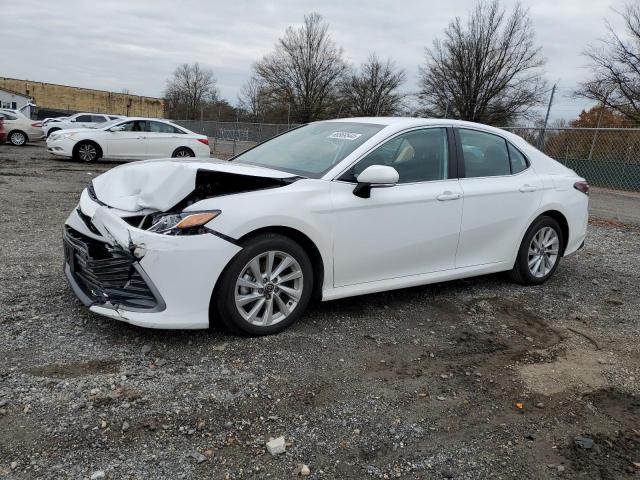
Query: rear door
[[128, 143], [162, 139], [98, 119], [408, 229], [501, 193], [83, 121]]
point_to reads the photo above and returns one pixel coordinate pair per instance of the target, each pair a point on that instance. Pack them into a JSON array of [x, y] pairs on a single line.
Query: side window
[[485, 154], [84, 118], [134, 126], [98, 118], [113, 118], [9, 117], [518, 160], [159, 127], [418, 156]]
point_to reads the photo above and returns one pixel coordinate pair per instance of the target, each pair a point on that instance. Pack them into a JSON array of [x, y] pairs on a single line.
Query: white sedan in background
[[328, 210], [20, 128], [129, 139], [78, 120]]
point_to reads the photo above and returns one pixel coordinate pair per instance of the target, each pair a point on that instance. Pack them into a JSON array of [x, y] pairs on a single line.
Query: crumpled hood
[[161, 184]]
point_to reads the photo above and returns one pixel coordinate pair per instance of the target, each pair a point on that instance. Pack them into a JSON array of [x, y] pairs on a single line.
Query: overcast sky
[[135, 45]]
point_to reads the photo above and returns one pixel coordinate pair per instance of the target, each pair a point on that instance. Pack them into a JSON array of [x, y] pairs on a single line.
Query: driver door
[[409, 229], [128, 142]]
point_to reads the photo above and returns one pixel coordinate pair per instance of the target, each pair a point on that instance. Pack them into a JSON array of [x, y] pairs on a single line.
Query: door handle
[[140, 138], [448, 195], [528, 188]]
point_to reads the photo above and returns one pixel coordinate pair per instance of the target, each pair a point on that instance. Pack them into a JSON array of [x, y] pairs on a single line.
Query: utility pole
[[595, 134], [288, 115], [546, 118]]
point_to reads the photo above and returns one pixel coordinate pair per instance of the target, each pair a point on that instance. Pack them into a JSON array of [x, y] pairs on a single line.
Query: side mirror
[[117, 128], [72, 119], [375, 176]]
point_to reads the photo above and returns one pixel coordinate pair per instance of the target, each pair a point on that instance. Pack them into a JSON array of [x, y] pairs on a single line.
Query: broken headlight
[[185, 223]]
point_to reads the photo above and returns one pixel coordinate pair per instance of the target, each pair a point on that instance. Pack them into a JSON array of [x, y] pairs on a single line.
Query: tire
[[49, 132], [532, 266], [181, 152], [87, 151], [18, 138], [237, 282]]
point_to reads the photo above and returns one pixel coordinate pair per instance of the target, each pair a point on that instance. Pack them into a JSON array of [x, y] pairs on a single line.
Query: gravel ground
[[472, 379]]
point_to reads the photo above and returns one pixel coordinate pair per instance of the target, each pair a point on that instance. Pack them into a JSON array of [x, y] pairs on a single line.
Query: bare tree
[[189, 91], [303, 70], [254, 98], [487, 69], [616, 68], [372, 91]]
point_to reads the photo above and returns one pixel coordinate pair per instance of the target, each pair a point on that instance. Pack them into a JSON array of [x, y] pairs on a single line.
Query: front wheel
[[17, 138], [86, 152], [539, 253], [265, 287]]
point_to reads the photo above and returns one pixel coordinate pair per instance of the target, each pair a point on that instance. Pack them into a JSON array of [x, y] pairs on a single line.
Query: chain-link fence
[[231, 138], [606, 157]]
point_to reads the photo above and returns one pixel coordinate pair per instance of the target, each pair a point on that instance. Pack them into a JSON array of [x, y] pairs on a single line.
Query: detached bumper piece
[[107, 275]]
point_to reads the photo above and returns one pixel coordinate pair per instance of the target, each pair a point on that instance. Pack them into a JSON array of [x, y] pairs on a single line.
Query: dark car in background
[[3, 132]]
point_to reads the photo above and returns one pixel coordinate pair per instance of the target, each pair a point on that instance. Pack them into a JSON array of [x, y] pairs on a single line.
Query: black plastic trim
[[108, 267], [222, 236]]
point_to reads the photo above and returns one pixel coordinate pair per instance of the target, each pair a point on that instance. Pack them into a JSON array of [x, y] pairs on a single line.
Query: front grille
[[107, 274]]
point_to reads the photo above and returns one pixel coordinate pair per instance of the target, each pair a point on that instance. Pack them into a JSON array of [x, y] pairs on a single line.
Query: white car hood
[[161, 184], [72, 130]]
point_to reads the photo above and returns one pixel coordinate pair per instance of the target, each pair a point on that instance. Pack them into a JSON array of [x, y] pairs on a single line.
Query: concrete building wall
[[63, 97]]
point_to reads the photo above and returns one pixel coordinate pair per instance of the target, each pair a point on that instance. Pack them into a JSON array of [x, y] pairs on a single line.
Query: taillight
[[204, 140], [582, 187], [37, 124]]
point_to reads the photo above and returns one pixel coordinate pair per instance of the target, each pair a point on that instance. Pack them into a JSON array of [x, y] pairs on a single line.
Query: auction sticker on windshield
[[345, 135]]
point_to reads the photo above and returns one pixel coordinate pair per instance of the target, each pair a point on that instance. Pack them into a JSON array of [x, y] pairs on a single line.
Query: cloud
[[119, 45]]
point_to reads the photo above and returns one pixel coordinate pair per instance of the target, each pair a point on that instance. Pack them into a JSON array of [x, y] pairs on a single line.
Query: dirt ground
[[479, 378]]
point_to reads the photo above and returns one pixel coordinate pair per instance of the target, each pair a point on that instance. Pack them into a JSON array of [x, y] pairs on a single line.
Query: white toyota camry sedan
[[328, 210], [128, 139]]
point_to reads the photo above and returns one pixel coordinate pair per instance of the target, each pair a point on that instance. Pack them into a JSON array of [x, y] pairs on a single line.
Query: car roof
[[147, 118], [412, 121], [401, 123]]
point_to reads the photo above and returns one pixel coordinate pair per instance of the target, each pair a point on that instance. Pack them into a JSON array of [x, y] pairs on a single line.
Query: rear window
[[518, 160], [484, 154], [160, 127]]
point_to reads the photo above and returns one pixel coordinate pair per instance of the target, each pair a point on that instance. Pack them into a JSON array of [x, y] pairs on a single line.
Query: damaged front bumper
[[143, 278]]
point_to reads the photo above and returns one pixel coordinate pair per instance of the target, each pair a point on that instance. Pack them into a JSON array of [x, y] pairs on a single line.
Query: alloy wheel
[[18, 138], [87, 152], [543, 252], [183, 153], [269, 288]]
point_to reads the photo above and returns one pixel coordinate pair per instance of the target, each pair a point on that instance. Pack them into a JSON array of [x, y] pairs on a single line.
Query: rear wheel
[[17, 138], [265, 287], [86, 152], [539, 253], [183, 152]]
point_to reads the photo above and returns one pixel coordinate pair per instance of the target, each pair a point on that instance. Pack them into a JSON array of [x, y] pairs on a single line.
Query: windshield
[[310, 150]]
